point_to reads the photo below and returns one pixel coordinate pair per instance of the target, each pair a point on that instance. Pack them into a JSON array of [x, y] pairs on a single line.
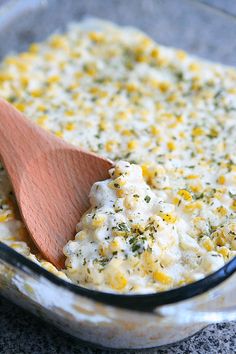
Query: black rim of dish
[[139, 302]]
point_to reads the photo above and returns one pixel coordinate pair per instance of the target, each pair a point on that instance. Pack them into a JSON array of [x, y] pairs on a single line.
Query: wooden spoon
[[51, 180]]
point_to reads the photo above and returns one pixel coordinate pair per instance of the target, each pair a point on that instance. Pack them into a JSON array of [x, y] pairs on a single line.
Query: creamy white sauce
[[132, 240]]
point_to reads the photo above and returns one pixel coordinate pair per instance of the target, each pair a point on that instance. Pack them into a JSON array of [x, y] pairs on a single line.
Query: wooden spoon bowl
[[51, 180]]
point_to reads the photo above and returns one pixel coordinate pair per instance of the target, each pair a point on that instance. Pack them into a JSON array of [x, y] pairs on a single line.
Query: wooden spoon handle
[[20, 141]]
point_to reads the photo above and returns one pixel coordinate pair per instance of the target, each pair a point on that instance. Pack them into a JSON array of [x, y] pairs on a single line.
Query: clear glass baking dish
[[121, 321]]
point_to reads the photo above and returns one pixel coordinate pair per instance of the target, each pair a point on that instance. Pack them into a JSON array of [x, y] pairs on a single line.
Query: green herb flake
[[147, 199]]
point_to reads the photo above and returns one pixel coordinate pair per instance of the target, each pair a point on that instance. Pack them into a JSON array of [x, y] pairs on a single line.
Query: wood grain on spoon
[[51, 180]]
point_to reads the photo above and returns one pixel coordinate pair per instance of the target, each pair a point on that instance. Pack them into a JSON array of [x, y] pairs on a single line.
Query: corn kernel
[[118, 127], [90, 69], [11, 60], [69, 113], [185, 194], [116, 233], [208, 244], [182, 135], [21, 66], [53, 79], [80, 236], [224, 251], [117, 280], [196, 188], [164, 86], [48, 266], [181, 55], [36, 93], [171, 146], [117, 183], [140, 57], [114, 245], [194, 67], [132, 145], [59, 134], [233, 245], [176, 200], [20, 106], [122, 116], [222, 211], [220, 240], [154, 130], [173, 98], [41, 108], [232, 90], [192, 176], [24, 80], [96, 37], [130, 87], [145, 170], [41, 120], [120, 193], [130, 202], [5, 77], [103, 125], [70, 126], [221, 179], [117, 171], [159, 106], [98, 220], [169, 218], [193, 206], [126, 132], [233, 205], [138, 227], [148, 261], [58, 41], [197, 131], [49, 57], [3, 218], [102, 250], [162, 277], [109, 146], [34, 48], [155, 53]]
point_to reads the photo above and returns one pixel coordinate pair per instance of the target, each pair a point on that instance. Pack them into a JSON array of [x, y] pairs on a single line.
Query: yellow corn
[[185, 194], [162, 277]]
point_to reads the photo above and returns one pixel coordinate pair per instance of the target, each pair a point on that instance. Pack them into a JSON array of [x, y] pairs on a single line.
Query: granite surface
[[23, 333]]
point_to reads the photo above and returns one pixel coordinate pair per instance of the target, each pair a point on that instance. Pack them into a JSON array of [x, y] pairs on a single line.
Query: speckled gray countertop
[[23, 333]]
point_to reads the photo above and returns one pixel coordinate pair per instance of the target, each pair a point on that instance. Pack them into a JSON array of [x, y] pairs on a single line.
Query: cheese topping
[[133, 240], [116, 92]]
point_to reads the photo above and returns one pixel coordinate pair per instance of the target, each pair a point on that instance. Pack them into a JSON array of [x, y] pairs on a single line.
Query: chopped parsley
[[147, 198]]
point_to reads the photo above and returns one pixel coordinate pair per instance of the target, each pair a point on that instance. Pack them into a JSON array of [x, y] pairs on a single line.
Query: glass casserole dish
[[108, 320]]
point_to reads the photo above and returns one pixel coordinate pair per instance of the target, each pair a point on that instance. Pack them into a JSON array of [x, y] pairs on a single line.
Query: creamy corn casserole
[[167, 215]]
